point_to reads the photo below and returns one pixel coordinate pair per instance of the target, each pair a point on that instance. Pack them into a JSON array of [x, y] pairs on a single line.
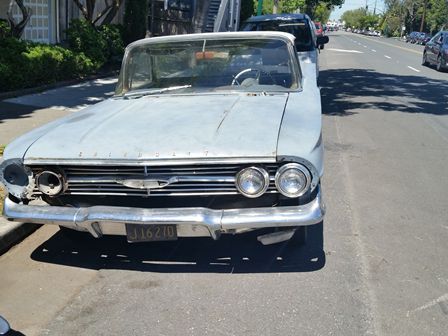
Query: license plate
[[145, 233]]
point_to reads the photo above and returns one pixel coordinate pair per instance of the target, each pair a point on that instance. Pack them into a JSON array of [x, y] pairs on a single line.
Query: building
[[51, 18]]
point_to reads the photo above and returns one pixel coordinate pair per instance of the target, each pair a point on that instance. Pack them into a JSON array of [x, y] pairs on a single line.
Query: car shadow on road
[[349, 91], [231, 254]]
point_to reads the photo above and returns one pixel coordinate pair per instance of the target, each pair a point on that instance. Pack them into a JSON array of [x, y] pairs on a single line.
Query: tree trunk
[[17, 28], [275, 8], [112, 12]]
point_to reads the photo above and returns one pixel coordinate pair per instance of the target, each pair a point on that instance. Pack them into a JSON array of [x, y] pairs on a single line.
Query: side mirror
[[322, 40], [4, 326]]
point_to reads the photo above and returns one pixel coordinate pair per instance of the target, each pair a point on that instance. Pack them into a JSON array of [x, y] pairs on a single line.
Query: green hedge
[[25, 64], [101, 44]]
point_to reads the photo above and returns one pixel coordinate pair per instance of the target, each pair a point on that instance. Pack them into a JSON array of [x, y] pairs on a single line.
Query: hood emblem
[[147, 183]]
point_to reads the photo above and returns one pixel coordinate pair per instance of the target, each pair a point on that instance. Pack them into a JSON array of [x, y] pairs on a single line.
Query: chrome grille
[[191, 180]]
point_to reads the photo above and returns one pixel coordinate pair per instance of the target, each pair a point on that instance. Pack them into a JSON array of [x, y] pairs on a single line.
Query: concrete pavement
[[22, 114], [377, 266]]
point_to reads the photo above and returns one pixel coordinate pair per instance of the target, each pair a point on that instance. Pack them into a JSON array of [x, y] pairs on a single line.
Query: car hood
[[166, 127]]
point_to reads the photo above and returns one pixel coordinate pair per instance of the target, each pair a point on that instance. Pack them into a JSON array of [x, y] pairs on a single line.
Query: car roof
[[223, 35], [275, 17]]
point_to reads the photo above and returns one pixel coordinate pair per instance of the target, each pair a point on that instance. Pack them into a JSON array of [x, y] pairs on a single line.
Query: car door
[[431, 48]]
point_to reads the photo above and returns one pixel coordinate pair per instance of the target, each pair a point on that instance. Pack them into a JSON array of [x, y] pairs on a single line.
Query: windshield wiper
[[141, 93]]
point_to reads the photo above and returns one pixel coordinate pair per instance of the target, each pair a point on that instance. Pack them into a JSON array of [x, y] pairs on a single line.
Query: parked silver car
[[207, 134]]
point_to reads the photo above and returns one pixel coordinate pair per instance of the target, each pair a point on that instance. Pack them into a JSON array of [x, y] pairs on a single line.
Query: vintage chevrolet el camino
[[207, 134]]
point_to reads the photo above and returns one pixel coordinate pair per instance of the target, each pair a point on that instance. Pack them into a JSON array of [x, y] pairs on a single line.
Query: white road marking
[[373, 50], [387, 56], [347, 51], [413, 69], [364, 46], [431, 303]]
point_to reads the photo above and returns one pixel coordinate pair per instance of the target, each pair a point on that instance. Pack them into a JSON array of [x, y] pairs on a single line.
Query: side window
[[141, 70], [435, 38]]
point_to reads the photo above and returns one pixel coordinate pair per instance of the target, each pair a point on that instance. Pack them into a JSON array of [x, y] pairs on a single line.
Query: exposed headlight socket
[[50, 183], [292, 180], [17, 178], [252, 181]]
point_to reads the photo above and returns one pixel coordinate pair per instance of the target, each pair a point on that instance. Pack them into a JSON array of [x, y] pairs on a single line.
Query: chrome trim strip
[[87, 219], [149, 161], [150, 177]]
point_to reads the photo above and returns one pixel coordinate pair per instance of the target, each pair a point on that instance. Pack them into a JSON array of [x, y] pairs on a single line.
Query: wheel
[[439, 65], [248, 70], [425, 59]]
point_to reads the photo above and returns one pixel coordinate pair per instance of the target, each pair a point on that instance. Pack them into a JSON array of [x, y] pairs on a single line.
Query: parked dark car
[[436, 51], [412, 37], [299, 25], [425, 38]]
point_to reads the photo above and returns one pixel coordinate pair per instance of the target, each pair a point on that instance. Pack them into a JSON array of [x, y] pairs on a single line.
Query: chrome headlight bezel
[[265, 179], [46, 187], [300, 169]]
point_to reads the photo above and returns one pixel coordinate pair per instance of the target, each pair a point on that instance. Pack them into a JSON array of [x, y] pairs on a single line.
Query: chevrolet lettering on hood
[[207, 134]]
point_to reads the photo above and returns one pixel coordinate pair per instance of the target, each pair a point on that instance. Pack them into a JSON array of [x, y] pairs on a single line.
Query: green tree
[[135, 20], [322, 13], [87, 8], [247, 9], [437, 15]]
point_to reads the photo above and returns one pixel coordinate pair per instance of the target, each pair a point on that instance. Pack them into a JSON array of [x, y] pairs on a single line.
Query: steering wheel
[[257, 77]]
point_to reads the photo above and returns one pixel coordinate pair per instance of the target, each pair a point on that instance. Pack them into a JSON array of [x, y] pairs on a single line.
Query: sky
[[355, 4]]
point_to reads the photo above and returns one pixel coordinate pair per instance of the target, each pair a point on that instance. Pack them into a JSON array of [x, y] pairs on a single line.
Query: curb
[[12, 233], [22, 92]]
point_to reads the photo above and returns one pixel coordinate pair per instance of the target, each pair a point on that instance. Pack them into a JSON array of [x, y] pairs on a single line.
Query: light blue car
[[207, 134]]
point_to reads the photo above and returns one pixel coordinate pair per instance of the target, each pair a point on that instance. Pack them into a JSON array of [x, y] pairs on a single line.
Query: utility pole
[[374, 9]]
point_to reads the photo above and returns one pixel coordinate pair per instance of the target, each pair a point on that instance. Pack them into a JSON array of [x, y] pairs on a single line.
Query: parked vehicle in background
[[319, 29], [412, 37], [436, 51], [319, 32], [423, 38], [299, 25], [207, 134]]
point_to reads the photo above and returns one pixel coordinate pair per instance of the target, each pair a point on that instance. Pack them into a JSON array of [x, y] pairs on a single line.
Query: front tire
[[439, 66], [425, 59]]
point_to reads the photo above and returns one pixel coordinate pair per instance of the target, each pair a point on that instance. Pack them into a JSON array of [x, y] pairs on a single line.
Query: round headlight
[[292, 180], [50, 183], [252, 182]]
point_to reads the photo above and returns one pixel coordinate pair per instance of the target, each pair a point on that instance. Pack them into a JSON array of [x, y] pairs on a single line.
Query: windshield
[[299, 28], [209, 65]]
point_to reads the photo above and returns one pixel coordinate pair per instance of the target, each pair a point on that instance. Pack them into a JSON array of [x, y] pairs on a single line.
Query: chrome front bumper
[[100, 220]]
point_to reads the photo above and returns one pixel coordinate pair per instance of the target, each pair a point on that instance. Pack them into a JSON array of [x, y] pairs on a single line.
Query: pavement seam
[[359, 244]]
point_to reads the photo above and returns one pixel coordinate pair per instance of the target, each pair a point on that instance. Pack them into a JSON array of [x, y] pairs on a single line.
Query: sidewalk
[[22, 114]]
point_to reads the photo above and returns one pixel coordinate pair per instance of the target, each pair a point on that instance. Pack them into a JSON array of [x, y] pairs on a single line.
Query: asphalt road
[[377, 266]]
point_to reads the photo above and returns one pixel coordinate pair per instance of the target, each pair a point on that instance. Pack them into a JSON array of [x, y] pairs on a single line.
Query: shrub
[[83, 37], [5, 30], [102, 45], [25, 64], [113, 35]]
